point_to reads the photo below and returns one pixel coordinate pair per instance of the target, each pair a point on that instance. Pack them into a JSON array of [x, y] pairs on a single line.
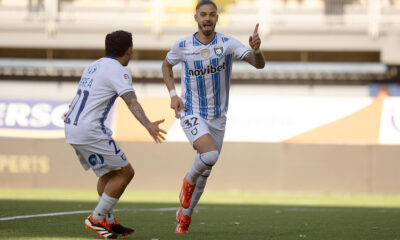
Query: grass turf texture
[[220, 216]]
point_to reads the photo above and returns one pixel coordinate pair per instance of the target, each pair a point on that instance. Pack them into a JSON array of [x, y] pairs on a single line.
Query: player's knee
[[206, 173], [128, 172], [209, 158]]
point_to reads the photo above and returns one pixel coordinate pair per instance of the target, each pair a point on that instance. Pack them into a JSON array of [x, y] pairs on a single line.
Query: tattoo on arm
[[256, 60], [135, 107], [171, 73]]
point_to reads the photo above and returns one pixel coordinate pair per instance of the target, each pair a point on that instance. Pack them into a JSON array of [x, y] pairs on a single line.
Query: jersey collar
[[197, 42]]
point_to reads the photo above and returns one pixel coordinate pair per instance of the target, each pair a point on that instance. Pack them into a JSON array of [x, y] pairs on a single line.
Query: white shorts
[[102, 156], [194, 127]]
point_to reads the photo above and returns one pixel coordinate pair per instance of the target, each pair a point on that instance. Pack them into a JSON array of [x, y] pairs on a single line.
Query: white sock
[[202, 162], [198, 191], [105, 205], [197, 168], [110, 217]]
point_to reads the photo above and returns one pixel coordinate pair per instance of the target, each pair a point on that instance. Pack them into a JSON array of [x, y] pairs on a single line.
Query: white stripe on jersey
[[206, 72]]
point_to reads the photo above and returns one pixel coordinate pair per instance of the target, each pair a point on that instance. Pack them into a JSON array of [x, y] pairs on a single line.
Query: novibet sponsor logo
[[209, 70]]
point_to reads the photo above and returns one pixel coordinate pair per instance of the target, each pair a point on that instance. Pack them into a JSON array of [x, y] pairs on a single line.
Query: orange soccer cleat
[[186, 193], [183, 222], [119, 229], [101, 228]]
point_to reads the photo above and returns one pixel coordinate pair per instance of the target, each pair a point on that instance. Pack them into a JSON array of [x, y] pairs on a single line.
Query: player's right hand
[[155, 131], [254, 40], [177, 105]]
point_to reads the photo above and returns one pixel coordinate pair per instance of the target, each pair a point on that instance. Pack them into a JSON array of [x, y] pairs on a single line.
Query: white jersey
[[101, 83], [206, 72]]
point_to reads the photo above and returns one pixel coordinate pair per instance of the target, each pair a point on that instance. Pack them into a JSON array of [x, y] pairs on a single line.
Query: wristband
[[257, 51], [172, 93]]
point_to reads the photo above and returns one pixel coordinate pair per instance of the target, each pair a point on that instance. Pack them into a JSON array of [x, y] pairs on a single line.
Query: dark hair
[[204, 2], [117, 43]]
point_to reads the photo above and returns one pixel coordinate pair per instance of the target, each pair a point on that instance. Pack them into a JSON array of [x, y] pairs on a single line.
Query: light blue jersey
[[206, 73]]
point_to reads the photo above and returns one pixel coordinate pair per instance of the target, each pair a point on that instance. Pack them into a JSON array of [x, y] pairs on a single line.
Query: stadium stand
[[310, 32], [293, 30]]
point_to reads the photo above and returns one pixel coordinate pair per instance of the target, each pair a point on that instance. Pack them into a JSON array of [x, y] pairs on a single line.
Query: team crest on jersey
[[219, 51], [194, 131], [205, 53]]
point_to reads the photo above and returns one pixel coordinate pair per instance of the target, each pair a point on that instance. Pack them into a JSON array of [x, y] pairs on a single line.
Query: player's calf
[[186, 192], [202, 163]]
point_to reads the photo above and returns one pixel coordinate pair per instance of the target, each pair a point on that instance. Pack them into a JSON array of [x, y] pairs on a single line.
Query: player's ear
[[195, 17]]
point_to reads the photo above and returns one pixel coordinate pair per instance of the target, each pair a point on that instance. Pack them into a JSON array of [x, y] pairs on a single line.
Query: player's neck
[[203, 38], [122, 60]]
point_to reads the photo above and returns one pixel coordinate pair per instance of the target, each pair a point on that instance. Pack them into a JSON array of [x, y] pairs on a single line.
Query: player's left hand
[[155, 131], [254, 40]]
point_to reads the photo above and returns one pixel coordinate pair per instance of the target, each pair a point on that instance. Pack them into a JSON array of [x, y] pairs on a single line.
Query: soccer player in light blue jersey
[[100, 85], [206, 58]]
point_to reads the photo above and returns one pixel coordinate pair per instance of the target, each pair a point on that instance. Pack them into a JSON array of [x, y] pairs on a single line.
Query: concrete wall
[[267, 167]]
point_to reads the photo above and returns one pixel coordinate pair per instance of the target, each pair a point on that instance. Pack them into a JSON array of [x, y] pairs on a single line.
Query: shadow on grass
[[211, 221]]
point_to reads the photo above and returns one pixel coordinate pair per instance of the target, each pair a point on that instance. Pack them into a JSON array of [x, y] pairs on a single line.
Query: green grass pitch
[[228, 216]]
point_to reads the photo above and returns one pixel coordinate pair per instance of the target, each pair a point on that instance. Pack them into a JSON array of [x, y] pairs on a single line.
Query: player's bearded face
[[207, 27], [206, 18]]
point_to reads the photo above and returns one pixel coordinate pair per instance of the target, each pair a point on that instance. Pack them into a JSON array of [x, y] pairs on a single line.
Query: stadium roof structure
[[274, 72], [304, 26]]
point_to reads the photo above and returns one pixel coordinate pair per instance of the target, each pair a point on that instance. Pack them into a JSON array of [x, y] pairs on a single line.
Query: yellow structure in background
[[179, 12]]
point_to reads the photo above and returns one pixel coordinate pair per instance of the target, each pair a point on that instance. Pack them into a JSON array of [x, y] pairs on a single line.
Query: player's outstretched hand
[[155, 131], [177, 105], [254, 40]]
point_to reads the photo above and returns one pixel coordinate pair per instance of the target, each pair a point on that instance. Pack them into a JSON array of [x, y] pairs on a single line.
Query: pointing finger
[[256, 29]]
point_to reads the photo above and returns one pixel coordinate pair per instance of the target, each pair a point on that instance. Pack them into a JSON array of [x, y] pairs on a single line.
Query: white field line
[[174, 209], [86, 211]]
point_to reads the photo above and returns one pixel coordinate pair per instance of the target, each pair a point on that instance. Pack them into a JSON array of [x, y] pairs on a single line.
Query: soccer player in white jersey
[[206, 57], [101, 83]]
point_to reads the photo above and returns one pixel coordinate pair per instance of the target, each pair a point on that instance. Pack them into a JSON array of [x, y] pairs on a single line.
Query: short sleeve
[[174, 55], [238, 49], [122, 82]]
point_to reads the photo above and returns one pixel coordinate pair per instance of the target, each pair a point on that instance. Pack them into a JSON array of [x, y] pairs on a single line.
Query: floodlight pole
[[265, 17], [374, 17]]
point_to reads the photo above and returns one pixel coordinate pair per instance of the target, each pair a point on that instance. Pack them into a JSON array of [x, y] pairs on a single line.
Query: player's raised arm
[[168, 76], [137, 110], [256, 57]]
